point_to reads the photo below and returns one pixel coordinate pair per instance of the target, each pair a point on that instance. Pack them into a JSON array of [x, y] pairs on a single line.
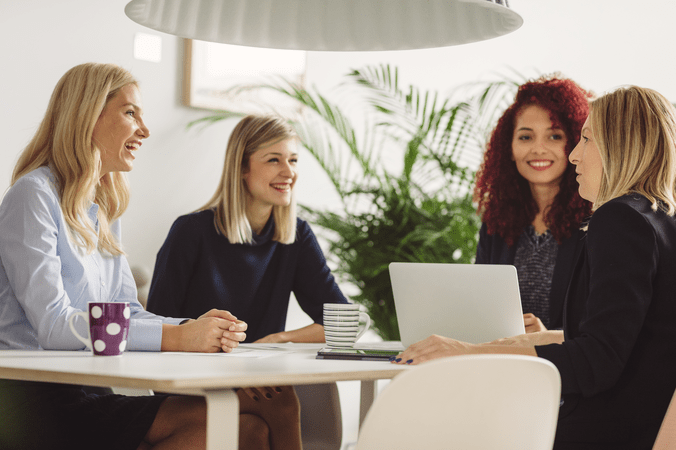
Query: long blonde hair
[[635, 132], [229, 201], [63, 142]]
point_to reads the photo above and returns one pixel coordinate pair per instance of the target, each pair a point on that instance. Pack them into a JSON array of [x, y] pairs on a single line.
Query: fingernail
[[397, 360], [392, 358], [278, 389], [255, 398], [409, 361], [268, 395]]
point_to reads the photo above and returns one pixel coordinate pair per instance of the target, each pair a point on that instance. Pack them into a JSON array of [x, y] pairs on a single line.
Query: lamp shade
[[329, 25]]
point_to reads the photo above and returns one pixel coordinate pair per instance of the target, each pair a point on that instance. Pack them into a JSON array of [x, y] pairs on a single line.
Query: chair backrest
[[321, 420], [478, 402], [666, 438]]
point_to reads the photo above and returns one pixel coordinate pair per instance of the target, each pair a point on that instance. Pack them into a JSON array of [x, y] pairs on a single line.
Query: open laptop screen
[[470, 302]]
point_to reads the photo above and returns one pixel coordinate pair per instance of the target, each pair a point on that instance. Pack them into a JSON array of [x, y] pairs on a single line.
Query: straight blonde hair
[[229, 201], [635, 132], [63, 142]]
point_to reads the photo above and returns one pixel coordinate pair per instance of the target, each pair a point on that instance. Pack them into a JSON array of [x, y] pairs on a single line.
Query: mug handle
[[84, 314], [363, 317]]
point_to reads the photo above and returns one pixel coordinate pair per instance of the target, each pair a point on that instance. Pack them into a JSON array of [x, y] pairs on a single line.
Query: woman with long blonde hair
[[245, 250], [60, 249], [617, 351]]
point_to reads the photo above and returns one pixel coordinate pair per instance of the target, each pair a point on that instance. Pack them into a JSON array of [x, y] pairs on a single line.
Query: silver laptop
[[470, 302]]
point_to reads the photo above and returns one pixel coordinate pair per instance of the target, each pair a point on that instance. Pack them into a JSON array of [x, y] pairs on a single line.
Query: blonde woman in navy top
[[245, 250]]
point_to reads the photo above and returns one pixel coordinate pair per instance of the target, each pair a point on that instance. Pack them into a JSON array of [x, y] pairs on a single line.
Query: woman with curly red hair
[[528, 197]]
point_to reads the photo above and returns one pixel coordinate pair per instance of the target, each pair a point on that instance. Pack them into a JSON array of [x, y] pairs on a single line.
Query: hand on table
[[213, 331], [233, 334], [531, 339], [533, 324], [432, 348], [274, 338], [311, 333]]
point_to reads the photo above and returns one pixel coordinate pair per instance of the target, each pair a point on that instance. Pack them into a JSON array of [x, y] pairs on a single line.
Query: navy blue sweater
[[198, 269]]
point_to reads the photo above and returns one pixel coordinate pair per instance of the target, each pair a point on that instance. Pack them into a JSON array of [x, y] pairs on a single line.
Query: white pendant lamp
[[329, 25]]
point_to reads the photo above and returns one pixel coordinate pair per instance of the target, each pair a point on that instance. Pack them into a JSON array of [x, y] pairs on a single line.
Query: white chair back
[[480, 402], [321, 420]]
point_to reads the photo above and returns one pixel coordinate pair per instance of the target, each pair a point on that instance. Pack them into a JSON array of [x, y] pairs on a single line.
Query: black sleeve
[[174, 267], [622, 255], [313, 283]]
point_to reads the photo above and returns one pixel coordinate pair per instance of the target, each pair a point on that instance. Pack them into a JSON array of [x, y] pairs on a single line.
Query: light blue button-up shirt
[[45, 277]]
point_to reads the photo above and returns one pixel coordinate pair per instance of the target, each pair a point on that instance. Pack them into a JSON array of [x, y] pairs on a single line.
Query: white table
[[210, 375]]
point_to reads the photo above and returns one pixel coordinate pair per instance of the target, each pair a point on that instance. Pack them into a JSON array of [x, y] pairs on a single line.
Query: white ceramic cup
[[341, 324]]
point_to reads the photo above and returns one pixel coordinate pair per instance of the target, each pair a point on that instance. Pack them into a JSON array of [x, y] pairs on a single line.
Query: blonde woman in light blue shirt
[[60, 249]]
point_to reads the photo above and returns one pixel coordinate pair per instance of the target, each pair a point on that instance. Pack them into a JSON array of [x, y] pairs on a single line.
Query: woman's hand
[[533, 324], [235, 332], [432, 348], [279, 407], [260, 393], [211, 332], [274, 338], [531, 339], [311, 333], [440, 347]]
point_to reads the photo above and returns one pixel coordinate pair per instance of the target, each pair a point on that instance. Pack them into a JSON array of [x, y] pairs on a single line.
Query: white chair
[[321, 420], [666, 438], [480, 402]]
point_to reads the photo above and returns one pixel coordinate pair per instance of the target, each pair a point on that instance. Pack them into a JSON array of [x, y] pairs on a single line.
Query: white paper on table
[[261, 350], [236, 353]]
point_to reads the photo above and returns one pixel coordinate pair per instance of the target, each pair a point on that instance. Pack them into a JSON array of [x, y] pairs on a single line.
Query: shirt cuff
[[145, 335]]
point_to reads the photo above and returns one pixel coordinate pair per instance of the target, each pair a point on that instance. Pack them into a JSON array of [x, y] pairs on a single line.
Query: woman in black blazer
[[527, 195], [617, 351]]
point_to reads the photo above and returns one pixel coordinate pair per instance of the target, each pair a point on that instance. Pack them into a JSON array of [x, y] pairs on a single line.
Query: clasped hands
[[214, 331]]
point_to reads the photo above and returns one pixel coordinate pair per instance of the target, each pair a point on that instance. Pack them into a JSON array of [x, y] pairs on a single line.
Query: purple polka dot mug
[[108, 324]]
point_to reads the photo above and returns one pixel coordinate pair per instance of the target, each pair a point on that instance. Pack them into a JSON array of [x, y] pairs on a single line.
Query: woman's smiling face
[[539, 149], [119, 130], [271, 175]]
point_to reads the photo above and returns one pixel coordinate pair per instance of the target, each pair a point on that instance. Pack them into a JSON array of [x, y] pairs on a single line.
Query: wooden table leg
[[222, 420]]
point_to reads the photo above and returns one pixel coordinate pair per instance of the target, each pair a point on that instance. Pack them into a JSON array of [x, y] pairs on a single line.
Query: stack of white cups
[[341, 324]]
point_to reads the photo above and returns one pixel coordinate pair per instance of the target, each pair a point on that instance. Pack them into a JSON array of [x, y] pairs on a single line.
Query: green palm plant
[[404, 179]]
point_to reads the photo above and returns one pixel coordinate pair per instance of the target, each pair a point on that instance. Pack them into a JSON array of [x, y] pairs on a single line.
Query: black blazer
[[492, 249], [618, 360]]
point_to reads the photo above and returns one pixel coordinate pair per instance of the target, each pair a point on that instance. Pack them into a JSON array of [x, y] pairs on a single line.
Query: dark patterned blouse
[[534, 261]]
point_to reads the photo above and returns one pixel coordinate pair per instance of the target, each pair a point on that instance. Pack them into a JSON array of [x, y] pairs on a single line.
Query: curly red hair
[[504, 196]]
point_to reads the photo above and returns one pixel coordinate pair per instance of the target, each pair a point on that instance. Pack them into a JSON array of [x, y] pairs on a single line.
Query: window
[[211, 69]]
